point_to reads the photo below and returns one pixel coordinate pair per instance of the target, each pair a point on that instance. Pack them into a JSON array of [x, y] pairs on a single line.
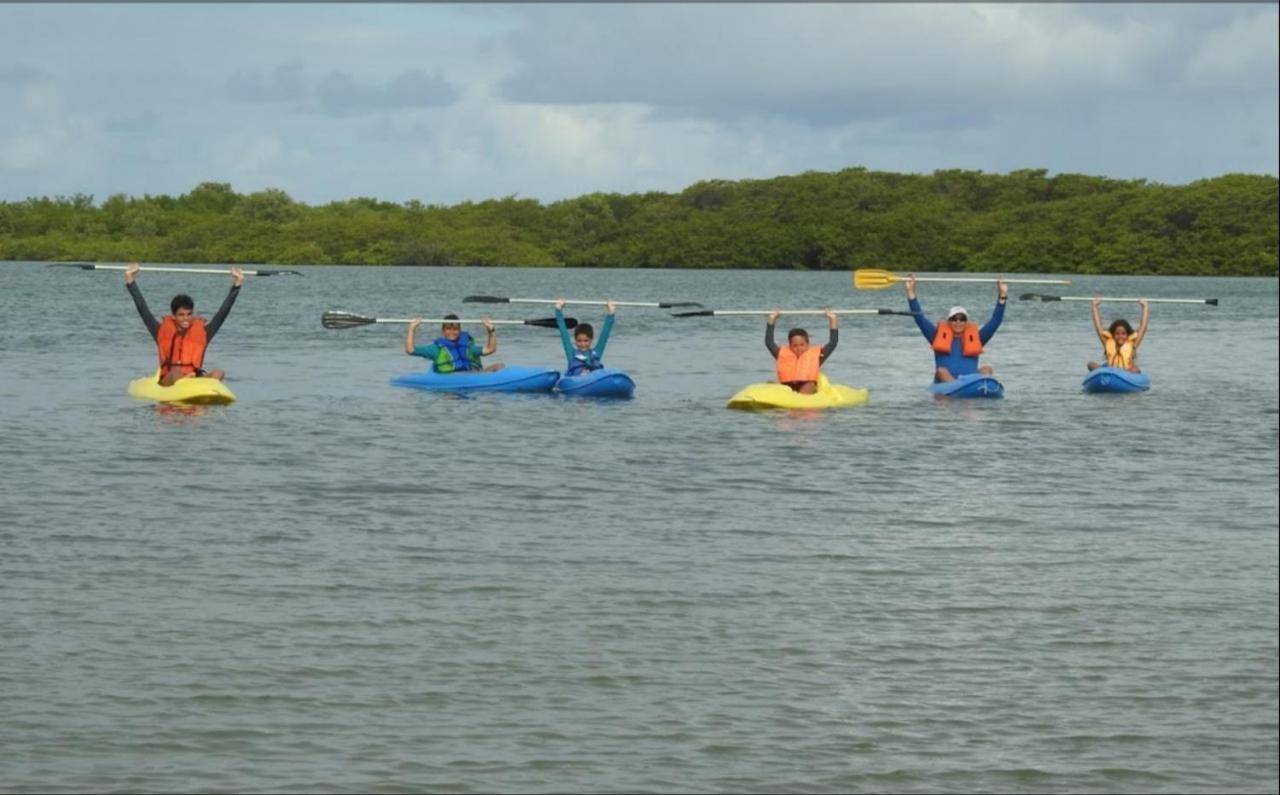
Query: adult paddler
[[181, 337], [956, 342]]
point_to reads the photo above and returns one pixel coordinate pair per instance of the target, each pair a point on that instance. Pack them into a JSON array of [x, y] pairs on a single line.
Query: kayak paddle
[[1038, 297], [730, 312], [493, 299], [875, 279], [90, 266], [334, 319]]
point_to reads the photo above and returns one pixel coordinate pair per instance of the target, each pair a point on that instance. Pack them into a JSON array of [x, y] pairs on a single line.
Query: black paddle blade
[[895, 312], [485, 299], [550, 322], [277, 273], [703, 313], [344, 320], [1211, 301], [674, 304], [84, 266], [1038, 297]]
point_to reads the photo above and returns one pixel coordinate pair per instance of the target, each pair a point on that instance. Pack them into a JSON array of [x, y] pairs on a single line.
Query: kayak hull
[[1115, 379], [196, 390], [759, 397], [607, 382], [508, 379], [973, 385]]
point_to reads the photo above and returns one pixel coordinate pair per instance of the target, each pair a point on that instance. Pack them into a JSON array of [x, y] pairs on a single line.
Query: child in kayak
[[1120, 342], [182, 338], [581, 356], [957, 343], [798, 364], [454, 351]]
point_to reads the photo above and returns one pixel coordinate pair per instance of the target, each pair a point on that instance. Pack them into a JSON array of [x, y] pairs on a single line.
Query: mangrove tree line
[[949, 220]]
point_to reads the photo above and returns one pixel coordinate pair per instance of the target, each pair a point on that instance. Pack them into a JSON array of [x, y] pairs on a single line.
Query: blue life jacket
[[584, 361], [455, 356]]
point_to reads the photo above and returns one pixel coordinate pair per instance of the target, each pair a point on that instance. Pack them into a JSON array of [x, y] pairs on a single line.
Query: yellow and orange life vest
[[1124, 356], [792, 368], [183, 350], [971, 341]]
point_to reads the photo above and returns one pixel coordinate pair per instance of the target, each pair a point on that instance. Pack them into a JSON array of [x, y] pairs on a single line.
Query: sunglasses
[[961, 318]]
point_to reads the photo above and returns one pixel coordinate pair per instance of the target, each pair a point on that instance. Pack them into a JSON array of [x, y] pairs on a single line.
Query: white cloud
[[1240, 54], [445, 103]]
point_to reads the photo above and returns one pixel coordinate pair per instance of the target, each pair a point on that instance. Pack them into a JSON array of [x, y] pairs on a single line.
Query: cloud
[[938, 65], [341, 94], [1241, 53], [285, 84]]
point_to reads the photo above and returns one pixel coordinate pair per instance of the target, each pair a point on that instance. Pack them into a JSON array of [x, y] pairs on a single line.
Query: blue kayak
[[974, 385], [1116, 379], [508, 379], [607, 382]]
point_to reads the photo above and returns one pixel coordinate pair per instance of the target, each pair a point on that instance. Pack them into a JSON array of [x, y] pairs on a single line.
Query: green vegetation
[[946, 221]]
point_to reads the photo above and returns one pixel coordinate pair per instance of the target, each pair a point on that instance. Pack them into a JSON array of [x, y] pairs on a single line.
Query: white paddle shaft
[[986, 280], [583, 303], [151, 269]]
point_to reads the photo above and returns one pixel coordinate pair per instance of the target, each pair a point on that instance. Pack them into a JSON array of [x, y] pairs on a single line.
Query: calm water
[[337, 585]]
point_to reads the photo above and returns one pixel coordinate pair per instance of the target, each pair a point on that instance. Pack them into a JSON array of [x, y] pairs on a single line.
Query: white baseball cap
[[957, 310]]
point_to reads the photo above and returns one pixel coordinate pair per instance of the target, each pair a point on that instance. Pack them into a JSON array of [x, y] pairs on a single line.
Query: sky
[[444, 103]]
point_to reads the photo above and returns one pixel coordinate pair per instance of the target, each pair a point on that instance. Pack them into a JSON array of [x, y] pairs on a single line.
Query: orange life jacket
[[183, 350], [792, 368], [943, 339]]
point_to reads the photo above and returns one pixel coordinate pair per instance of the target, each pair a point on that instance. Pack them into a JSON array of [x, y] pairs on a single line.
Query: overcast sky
[[445, 103]]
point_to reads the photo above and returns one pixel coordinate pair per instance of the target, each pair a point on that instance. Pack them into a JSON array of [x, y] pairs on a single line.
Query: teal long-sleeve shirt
[[577, 361]]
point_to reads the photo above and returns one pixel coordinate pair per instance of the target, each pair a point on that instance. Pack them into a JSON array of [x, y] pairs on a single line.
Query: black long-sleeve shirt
[[210, 328], [832, 339]]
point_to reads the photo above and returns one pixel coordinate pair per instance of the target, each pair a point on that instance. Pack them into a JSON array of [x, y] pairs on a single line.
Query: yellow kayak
[[778, 396], [194, 390]]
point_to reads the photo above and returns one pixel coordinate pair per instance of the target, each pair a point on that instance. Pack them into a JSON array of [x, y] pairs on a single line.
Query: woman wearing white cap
[[956, 342]]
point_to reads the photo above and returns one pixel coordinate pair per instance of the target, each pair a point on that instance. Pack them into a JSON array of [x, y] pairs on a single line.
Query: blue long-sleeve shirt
[[956, 362], [571, 351]]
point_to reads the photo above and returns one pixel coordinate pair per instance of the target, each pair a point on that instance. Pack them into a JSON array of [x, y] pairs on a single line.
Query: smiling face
[[958, 322], [450, 331], [582, 342], [798, 345], [1120, 331], [182, 317]]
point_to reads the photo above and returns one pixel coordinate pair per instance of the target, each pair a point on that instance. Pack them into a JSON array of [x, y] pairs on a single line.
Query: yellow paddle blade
[[873, 279]]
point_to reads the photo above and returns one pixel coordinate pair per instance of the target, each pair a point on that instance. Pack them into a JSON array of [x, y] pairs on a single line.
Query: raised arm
[[213, 325], [148, 319], [490, 344], [565, 341], [408, 335], [610, 308], [997, 317], [923, 323], [833, 335], [1141, 333], [768, 333], [1097, 319]]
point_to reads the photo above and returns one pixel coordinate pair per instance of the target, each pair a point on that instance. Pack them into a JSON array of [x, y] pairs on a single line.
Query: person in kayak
[[582, 357], [1120, 342], [797, 364], [182, 338], [454, 351], [957, 343]]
